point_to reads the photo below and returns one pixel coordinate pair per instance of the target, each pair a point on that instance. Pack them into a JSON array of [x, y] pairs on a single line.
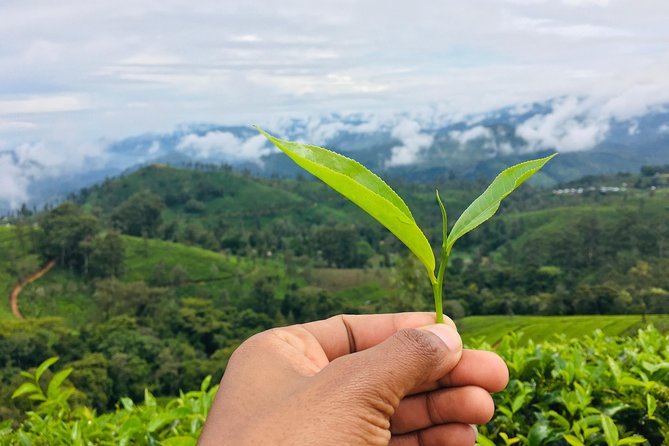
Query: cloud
[[413, 142], [27, 163], [13, 182], [320, 130], [246, 38], [226, 145], [572, 125], [567, 30], [153, 148], [41, 104], [464, 136], [7, 125]]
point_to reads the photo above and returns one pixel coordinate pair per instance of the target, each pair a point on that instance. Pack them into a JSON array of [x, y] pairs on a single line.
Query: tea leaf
[[362, 187], [610, 430], [488, 202], [43, 366], [24, 389], [57, 381]]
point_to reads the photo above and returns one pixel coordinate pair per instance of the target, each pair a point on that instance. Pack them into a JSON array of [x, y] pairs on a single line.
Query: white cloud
[[413, 142], [572, 125], [22, 165], [566, 30], [153, 148], [246, 38], [41, 104], [320, 130], [635, 101], [7, 125], [464, 136], [587, 2], [152, 58], [225, 144], [13, 182], [664, 128]]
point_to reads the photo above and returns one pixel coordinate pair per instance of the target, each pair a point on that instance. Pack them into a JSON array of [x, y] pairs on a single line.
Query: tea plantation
[[594, 390]]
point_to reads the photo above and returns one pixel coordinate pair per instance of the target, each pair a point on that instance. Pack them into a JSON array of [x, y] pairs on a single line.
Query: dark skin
[[390, 379]]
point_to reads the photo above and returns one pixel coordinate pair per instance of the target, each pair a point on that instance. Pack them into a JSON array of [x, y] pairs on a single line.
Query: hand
[[390, 379]]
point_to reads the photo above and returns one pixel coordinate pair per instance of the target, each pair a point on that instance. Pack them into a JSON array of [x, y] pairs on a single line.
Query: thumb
[[406, 360]]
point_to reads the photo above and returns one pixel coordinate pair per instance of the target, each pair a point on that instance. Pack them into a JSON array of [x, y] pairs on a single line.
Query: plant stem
[[438, 307], [438, 287]]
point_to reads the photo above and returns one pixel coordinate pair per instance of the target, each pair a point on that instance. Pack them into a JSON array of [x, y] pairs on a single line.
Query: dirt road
[[14, 296]]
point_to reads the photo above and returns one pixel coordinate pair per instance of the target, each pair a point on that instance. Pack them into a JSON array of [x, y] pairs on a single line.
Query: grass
[[542, 328]]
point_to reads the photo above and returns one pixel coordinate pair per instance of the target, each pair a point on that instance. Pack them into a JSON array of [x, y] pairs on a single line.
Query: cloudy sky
[[75, 74]]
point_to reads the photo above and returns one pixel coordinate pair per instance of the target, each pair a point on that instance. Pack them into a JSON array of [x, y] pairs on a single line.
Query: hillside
[[249, 216]]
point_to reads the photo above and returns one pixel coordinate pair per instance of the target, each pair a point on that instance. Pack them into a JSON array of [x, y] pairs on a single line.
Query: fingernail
[[446, 333], [476, 430]]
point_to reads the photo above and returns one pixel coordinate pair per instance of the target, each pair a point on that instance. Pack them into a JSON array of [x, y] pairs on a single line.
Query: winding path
[[14, 296]]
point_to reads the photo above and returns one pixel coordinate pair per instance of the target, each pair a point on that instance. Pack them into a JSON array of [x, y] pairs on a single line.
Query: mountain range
[[591, 138]]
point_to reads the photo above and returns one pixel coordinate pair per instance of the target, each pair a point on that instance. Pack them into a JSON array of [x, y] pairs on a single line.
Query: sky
[[76, 74]]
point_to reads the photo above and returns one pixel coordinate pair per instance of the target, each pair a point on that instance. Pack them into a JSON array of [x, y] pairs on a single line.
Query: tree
[[65, 230], [114, 298], [139, 215], [104, 255]]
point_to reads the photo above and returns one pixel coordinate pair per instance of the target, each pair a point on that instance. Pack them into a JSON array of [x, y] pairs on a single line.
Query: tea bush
[[595, 390]]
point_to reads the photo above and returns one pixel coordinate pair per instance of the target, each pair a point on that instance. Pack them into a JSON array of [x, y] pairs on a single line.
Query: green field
[[491, 329]]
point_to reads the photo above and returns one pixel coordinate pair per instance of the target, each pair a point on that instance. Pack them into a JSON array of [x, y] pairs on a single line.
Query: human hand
[[390, 379]]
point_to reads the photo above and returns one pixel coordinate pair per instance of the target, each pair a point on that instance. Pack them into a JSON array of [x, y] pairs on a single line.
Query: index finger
[[344, 334]]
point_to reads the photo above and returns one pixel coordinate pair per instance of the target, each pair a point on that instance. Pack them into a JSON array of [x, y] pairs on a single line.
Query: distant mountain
[[592, 139]]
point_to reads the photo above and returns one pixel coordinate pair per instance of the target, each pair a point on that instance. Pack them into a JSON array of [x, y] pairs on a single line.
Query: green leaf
[[56, 381], [610, 431], [634, 439], [444, 219], [127, 403], [362, 187], [573, 441], [158, 421], [205, 383], [181, 440], [43, 366], [651, 402], [488, 202], [25, 388], [539, 431], [149, 399], [482, 440]]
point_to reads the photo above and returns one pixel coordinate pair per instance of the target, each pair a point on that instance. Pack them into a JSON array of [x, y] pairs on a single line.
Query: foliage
[[139, 215], [596, 390], [65, 231], [59, 420], [593, 391]]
